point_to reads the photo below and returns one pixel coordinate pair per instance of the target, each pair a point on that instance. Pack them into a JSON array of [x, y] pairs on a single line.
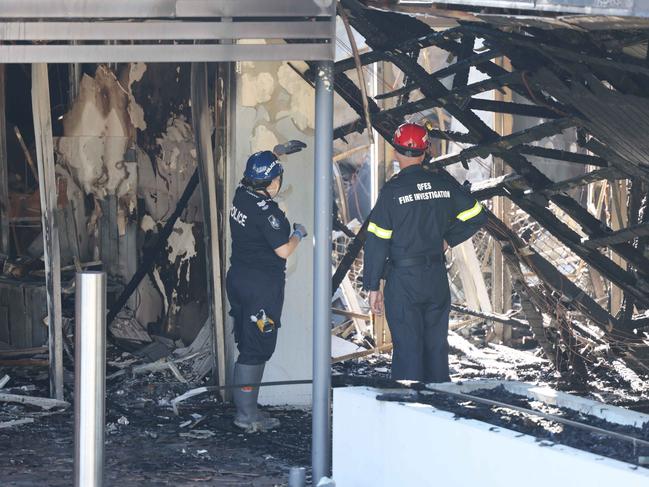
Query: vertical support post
[[89, 379], [4, 170], [225, 116], [501, 286], [618, 212], [321, 441], [202, 124], [47, 190]]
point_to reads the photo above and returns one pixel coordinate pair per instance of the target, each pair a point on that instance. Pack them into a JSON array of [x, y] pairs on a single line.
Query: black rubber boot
[[248, 416]]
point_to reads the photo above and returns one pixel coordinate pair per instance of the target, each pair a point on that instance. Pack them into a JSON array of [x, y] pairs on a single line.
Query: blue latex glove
[[299, 231], [289, 147]]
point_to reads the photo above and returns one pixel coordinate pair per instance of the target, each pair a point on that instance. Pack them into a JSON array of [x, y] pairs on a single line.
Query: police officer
[[417, 214], [261, 242]]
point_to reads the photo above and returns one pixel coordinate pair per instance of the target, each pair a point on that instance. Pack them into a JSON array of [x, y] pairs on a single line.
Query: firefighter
[[261, 242], [417, 215]]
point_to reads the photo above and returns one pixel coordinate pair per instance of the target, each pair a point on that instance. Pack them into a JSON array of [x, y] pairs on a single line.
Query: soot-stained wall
[[273, 105], [127, 152]]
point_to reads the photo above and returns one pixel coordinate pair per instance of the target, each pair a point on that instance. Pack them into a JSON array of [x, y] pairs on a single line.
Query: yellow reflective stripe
[[470, 213], [379, 232]]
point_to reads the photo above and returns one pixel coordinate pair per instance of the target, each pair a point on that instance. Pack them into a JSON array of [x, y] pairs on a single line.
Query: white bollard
[[89, 379]]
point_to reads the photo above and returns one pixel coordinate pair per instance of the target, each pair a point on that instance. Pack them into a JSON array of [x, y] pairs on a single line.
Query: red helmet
[[410, 139]]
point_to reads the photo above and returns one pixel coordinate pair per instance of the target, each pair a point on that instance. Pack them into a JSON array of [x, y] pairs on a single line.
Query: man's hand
[[376, 302], [445, 245], [289, 147]]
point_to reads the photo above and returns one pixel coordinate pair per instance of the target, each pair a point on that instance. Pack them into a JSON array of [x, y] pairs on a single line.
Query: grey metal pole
[[321, 441], [89, 379]]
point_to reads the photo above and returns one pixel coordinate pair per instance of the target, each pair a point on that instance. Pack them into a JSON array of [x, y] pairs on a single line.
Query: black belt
[[417, 260]]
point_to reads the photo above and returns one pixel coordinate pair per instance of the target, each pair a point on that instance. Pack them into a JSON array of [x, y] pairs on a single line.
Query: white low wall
[[378, 443], [613, 414]]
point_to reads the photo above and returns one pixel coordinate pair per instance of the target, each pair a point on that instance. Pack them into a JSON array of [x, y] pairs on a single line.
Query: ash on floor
[[147, 444]]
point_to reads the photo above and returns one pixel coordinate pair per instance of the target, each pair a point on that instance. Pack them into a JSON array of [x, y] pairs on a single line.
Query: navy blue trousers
[[417, 305], [250, 291]]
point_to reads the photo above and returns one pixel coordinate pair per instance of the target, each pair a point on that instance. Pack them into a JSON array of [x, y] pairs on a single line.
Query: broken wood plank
[[4, 381], [351, 314], [47, 177], [41, 402], [561, 155], [583, 179], [364, 353], [498, 186], [618, 236], [25, 362], [23, 352], [16, 422], [350, 298], [499, 317], [466, 261]]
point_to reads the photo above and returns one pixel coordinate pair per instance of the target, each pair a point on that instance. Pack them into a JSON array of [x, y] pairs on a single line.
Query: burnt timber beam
[[503, 144], [621, 278], [398, 113], [629, 64], [432, 88], [561, 155], [349, 92], [521, 109], [460, 66], [587, 178], [492, 70], [573, 295], [469, 90], [415, 43], [366, 58], [595, 228], [589, 224], [499, 186], [619, 236], [616, 160]]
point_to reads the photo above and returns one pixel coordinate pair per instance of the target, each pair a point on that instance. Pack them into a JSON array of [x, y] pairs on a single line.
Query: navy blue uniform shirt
[[258, 227], [416, 211]]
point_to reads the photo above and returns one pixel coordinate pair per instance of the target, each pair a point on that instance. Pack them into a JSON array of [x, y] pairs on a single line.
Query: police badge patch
[[274, 222]]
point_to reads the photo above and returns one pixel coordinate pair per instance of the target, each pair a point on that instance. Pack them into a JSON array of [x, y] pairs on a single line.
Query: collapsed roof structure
[[588, 74]]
